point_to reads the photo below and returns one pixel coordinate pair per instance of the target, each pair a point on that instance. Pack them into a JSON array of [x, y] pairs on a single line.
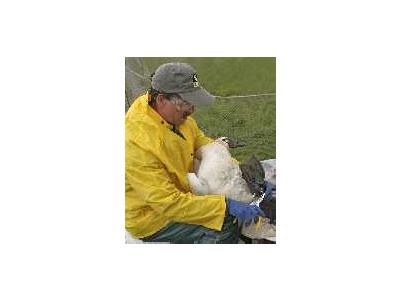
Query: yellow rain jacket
[[157, 161]]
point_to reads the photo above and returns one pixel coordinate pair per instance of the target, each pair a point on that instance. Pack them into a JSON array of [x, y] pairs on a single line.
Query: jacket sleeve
[[154, 185]]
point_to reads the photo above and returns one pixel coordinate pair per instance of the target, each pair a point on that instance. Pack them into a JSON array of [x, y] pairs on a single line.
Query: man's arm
[[153, 185]]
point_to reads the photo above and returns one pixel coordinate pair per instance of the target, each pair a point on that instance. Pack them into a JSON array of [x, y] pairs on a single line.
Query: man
[[161, 140]]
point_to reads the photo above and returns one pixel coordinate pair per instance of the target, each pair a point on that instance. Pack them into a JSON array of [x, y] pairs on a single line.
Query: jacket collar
[[143, 106]]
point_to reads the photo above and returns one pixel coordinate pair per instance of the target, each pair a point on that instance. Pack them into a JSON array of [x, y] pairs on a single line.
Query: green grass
[[250, 120], [224, 76]]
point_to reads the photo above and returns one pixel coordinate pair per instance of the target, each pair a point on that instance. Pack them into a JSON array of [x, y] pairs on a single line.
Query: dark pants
[[181, 233]]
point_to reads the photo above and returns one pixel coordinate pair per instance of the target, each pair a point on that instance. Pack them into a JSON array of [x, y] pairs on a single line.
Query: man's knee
[[189, 233]]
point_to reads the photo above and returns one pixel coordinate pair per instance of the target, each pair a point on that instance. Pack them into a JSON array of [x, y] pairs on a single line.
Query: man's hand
[[244, 213]]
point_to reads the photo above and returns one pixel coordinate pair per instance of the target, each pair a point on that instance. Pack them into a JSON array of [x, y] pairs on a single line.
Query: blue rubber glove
[[244, 213]]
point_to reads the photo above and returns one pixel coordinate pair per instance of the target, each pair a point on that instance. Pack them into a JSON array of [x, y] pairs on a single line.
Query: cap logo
[[195, 81]]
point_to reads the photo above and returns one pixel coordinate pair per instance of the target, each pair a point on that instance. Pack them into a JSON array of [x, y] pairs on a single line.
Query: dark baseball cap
[[181, 78]]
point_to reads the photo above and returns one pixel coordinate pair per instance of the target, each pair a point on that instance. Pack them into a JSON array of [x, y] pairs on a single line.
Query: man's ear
[[160, 100]]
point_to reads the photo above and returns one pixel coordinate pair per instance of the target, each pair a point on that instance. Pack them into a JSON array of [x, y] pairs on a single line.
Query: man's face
[[174, 110]]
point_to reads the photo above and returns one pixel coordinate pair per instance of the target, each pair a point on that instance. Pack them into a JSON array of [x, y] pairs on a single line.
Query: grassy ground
[[250, 120], [224, 76]]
